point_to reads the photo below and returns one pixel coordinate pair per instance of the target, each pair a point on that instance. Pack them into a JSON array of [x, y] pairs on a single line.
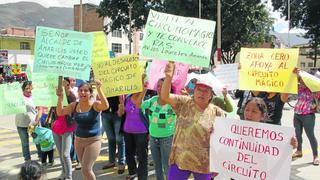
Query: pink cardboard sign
[[156, 72]]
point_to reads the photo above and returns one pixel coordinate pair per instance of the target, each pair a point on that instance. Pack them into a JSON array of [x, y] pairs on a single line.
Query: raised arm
[[166, 86], [103, 104], [143, 93], [62, 111]]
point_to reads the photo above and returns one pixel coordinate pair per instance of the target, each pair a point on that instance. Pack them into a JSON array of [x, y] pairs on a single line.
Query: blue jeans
[[160, 151], [73, 154], [63, 143], [111, 124], [24, 138]]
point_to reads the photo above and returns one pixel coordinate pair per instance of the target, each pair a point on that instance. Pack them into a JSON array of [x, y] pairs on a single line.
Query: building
[[306, 57], [16, 38], [90, 19], [117, 40]]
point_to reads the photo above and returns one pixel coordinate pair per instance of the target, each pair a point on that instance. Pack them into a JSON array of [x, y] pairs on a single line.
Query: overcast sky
[[280, 24]]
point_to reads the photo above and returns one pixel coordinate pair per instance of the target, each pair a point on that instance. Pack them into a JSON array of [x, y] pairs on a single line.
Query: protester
[[43, 136], [62, 134], [111, 123], [244, 96], [72, 96], [74, 88], [194, 124], [304, 118], [161, 127], [31, 170], [87, 117], [135, 129], [23, 121]]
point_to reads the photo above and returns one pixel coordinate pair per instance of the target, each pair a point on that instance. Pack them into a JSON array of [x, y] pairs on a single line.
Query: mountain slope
[[29, 14]]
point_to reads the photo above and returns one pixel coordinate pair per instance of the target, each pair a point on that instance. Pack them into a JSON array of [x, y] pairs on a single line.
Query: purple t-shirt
[[133, 123]]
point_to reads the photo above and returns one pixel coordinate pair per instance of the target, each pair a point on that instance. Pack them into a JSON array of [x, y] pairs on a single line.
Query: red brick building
[[90, 19]]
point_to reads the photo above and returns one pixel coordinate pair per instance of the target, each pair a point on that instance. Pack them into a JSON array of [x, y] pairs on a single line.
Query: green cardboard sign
[[177, 38], [44, 90], [63, 52], [12, 101]]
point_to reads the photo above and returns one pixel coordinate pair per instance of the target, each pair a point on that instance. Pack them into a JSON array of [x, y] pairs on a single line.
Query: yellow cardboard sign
[[268, 70], [312, 82], [100, 50], [121, 75]]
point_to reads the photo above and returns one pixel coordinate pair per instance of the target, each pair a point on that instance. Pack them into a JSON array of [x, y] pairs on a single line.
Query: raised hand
[[169, 69]]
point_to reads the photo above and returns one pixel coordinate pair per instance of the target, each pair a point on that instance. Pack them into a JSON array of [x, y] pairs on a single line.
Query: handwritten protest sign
[[44, 90], [119, 76], [228, 74], [269, 70], [63, 52], [312, 82], [250, 150], [12, 101], [100, 50], [181, 39], [156, 72]]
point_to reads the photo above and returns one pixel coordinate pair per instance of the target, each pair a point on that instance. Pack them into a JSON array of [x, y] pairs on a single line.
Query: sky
[[280, 25]]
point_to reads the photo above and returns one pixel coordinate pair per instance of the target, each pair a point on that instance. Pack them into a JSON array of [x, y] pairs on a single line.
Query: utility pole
[[288, 23], [130, 3], [199, 9], [219, 30]]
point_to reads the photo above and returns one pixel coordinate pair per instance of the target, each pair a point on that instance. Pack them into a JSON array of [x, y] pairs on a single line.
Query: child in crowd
[[43, 136]]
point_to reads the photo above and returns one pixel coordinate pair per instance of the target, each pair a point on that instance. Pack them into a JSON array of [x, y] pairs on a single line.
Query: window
[[24, 45], [116, 47], [127, 46], [117, 33], [310, 64], [141, 36], [303, 64]]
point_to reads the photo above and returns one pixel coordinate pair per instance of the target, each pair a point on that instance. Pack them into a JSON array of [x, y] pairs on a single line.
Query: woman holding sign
[[87, 116], [304, 118], [194, 124], [162, 122], [24, 120]]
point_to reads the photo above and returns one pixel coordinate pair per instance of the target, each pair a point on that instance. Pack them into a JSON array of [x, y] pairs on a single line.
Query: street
[[11, 156]]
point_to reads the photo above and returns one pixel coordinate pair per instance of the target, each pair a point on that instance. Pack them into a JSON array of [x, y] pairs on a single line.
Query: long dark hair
[[86, 84], [31, 170]]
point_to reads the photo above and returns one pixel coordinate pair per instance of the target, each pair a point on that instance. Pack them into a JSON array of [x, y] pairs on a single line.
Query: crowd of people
[[176, 128]]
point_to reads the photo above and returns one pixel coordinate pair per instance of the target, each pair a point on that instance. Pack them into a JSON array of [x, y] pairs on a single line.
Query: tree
[[118, 12], [304, 14], [243, 22]]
